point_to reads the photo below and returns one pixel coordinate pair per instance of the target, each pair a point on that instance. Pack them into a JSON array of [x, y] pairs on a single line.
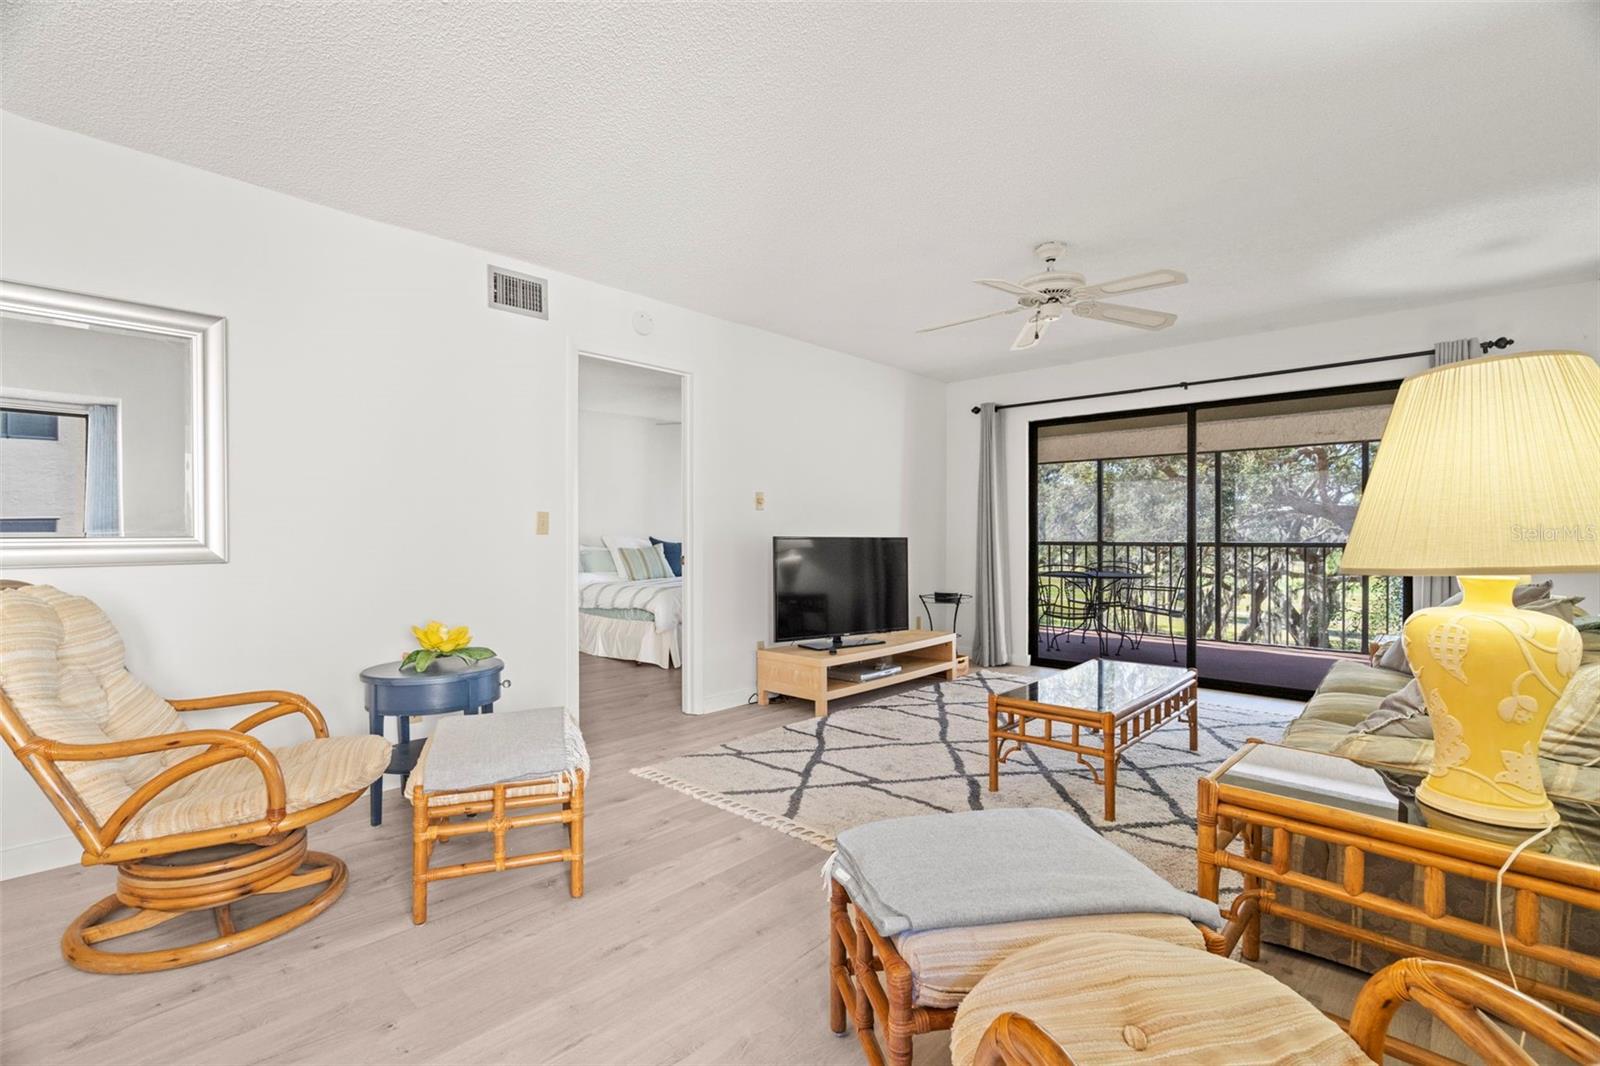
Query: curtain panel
[[991, 637]]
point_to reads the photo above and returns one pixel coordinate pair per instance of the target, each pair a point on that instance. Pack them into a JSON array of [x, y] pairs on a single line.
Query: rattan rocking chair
[[193, 819]]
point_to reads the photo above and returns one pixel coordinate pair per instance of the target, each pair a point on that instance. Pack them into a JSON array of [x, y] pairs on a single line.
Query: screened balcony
[[1263, 526]]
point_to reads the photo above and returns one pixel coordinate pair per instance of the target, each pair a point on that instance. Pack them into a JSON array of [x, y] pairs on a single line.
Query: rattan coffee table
[[1118, 703]]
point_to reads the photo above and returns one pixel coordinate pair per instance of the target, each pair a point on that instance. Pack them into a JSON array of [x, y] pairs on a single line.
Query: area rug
[[923, 750]]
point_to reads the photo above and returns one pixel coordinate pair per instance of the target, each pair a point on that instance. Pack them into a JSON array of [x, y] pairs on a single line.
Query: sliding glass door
[[1209, 535]]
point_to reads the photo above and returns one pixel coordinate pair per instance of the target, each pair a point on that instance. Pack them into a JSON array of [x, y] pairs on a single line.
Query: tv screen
[[831, 586]]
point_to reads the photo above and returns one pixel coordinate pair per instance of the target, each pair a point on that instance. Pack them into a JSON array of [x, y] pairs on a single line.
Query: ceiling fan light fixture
[[1046, 295]]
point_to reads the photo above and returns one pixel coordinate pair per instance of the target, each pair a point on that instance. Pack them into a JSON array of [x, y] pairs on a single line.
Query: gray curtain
[[1430, 591], [102, 504], [991, 635]]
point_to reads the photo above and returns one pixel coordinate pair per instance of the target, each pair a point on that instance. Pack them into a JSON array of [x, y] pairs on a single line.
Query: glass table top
[[1110, 686], [1334, 781]]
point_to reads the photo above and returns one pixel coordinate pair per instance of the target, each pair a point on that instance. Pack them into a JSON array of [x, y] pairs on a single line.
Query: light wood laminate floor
[[699, 939]]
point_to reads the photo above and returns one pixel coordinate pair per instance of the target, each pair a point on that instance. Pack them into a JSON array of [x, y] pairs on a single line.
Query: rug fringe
[[724, 803]]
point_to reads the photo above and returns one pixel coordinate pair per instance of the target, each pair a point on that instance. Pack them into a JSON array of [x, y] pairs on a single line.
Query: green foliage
[[419, 660], [1273, 575]]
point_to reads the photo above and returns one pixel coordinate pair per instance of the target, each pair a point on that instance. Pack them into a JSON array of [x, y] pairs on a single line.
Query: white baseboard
[[19, 860], [723, 701]]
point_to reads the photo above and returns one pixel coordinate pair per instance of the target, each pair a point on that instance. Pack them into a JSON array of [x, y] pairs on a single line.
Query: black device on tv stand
[[832, 646]]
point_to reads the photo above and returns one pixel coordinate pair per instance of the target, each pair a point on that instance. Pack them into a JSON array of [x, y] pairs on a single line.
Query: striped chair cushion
[[61, 666], [947, 963], [1113, 998], [644, 564], [233, 793]]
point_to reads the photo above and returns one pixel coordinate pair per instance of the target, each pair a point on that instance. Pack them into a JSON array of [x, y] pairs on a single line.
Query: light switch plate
[[761, 501], [542, 523]]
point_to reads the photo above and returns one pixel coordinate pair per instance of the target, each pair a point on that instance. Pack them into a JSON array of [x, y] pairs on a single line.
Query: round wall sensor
[[643, 323]]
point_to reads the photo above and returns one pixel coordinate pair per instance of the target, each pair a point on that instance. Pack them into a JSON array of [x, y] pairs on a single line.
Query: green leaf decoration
[[475, 654], [420, 660]]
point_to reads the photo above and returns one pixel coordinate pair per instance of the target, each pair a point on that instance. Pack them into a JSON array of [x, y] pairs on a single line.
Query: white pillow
[[615, 543]]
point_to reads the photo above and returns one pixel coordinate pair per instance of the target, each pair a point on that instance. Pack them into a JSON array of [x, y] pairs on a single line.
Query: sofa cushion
[[1354, 676], [1402, 713], [1315, 734], [1573, 733], [1390, 654], [947, 963]]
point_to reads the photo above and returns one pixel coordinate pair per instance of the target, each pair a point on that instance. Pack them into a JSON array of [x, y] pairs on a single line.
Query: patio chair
[[1151, 603], [1064, 608], [195, 820]]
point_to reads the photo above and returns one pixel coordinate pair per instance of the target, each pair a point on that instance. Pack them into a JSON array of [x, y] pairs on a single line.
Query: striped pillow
[[644, 564]]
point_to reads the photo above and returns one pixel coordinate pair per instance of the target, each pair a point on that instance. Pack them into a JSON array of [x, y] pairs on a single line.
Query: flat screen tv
[[830, 587]]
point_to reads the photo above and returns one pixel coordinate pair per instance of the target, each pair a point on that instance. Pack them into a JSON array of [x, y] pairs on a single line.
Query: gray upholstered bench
[[922, 908], [508, 766]]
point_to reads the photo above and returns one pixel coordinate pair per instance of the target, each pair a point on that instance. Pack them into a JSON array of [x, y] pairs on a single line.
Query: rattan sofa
[[1570, 760]]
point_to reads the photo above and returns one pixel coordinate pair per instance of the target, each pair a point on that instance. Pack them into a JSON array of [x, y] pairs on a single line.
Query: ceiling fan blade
[[1155, 279], [1124, 316], [1010, 286], [974, 318], [1032, 331]]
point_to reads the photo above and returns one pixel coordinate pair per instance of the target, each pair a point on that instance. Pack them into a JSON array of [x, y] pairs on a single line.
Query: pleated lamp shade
[[1489, 466]]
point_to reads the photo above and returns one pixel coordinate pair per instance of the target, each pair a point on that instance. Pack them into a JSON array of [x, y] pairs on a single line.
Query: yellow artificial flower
[[435, 638]]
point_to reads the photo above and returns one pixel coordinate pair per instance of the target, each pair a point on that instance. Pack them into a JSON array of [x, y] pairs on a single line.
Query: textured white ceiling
[[839, 172]]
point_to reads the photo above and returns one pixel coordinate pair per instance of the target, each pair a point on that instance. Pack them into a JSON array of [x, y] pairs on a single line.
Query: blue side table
[[449, 685]]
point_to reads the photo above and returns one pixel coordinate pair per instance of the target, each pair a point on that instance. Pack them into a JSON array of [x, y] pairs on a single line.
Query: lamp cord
[[1499, 904]]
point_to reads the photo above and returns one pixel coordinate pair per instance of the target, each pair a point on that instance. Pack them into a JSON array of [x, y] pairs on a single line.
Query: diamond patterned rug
[[923, 750]]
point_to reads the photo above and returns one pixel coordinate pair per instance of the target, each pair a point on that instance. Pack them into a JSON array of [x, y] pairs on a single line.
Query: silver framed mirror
[[113, 434]]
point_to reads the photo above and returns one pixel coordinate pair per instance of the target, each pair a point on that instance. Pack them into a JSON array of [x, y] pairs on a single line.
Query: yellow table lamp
[[1488, 469]]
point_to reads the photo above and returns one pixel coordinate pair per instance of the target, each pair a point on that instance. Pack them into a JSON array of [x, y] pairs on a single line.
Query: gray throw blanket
[[944, 871], [486, 749]]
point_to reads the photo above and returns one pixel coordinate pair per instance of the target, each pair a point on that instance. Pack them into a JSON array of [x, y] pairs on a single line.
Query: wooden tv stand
[[800, 672]]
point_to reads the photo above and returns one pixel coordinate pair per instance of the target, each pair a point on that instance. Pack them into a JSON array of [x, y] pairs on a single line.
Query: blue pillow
[[673, 550]]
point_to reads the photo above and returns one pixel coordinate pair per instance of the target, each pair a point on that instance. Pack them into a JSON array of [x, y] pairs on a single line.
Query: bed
[[640, 621]]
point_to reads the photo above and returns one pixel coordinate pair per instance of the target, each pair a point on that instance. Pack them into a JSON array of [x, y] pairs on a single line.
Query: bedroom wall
[[1563, 316], [630, 477], [392, 440]]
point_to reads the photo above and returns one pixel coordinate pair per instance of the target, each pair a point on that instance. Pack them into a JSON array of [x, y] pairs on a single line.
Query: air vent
[[510, 291]]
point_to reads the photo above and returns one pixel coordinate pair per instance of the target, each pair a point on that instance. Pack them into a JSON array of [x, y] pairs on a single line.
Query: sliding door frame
[[1191, 414]]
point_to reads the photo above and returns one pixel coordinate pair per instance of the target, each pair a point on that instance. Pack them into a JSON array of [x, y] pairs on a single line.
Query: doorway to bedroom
[[632, 524]]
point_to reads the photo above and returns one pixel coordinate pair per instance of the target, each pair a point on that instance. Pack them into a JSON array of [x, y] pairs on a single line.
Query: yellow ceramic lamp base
[[1490, 675]]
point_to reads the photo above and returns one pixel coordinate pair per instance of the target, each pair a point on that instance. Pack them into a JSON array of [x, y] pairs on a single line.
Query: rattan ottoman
[[889, 996], [545, 797]]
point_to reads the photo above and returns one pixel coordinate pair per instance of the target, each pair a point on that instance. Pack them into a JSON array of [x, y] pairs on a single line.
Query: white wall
[[391, 440], [1559, 317], [630, 477]]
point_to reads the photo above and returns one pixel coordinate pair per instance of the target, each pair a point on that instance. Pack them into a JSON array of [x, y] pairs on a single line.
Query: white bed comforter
[[663, 598]]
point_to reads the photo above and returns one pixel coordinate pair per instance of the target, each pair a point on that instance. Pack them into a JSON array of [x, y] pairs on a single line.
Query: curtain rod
[[1499, 342]]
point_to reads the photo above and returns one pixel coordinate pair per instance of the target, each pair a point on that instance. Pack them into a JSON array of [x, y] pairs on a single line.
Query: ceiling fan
[[1048, 295]]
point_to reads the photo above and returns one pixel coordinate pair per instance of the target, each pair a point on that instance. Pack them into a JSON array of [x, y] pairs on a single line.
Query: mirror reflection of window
[[95, 431], [43, 472]]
